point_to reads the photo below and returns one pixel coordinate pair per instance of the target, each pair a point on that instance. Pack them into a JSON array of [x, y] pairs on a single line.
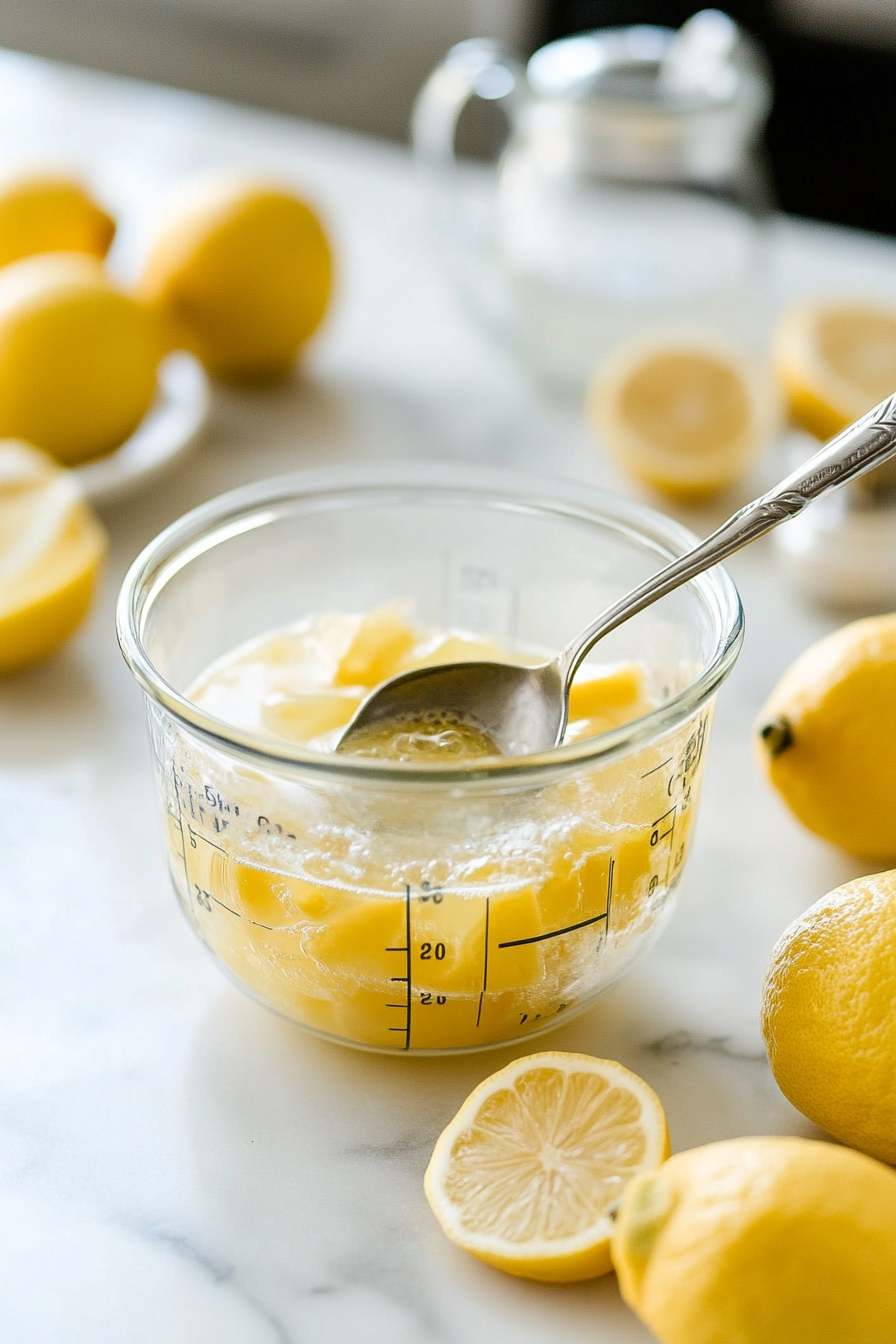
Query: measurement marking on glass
[[484, 964], [406, 978], [555, 933], [197, 893], [671, 835], [407, 939], [661, 766], [207, 896], [655, 836], [197, 835], [662, 829], [183, 838]]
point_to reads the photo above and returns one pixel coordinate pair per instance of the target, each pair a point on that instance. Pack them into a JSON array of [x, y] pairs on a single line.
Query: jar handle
[[477, 68], [462, 210]]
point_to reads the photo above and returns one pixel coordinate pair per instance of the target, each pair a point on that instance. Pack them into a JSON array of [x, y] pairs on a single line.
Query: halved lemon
[[51, 547], [835, 359], [526, 1175], [684, 416]]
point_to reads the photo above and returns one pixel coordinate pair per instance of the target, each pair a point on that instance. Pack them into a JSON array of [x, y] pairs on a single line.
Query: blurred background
[[831, 139]]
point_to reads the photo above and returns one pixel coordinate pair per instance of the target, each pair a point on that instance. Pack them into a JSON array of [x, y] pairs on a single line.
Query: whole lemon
[[761, 1241], [51, 549], [829, 1014], [242, 271], [78, 359], [45, 212], [827, 738]]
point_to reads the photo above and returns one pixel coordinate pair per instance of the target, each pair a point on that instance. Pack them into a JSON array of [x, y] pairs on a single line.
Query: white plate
[[170, 427]]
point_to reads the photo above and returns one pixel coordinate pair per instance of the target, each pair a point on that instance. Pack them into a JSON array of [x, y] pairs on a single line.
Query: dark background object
[[831, 137]]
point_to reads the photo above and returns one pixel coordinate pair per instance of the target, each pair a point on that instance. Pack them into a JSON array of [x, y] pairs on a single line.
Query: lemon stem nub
[[777, 736]]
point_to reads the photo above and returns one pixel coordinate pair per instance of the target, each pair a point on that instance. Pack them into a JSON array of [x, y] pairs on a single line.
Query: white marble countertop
[[176, 1164]]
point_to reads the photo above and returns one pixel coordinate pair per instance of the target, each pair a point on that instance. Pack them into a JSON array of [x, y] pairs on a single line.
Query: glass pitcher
[[631, 195]]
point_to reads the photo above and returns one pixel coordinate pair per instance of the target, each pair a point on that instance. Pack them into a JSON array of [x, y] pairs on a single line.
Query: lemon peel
[[50, 212], [241, 270], [761, 1240], [828, 1014], [78, 358], [826, 738]]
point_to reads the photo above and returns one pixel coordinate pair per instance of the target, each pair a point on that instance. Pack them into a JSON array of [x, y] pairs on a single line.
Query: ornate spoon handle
[[863, 445]]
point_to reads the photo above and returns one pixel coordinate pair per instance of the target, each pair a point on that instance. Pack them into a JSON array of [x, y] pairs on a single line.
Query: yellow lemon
[[527, 1172], [684, 418], [835, 360], [826, 738], [242, 272], [51, 547], [829, 1014], [78, 359], [45, 212], [381, 638], [761, 1241]]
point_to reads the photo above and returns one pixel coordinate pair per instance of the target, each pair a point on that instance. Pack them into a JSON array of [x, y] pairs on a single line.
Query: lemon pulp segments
[[526, 1173], [685, 417]]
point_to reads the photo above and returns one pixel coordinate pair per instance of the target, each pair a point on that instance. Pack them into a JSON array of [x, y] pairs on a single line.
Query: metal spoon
[[524, 709]]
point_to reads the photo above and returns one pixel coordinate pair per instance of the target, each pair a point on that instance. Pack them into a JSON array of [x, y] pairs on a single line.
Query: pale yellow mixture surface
[[303, 684]]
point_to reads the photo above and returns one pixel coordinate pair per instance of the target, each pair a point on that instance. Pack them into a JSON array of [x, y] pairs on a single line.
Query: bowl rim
[[256, 504]]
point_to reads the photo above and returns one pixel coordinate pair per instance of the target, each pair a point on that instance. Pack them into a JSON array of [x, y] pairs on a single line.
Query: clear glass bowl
[[439, 907]]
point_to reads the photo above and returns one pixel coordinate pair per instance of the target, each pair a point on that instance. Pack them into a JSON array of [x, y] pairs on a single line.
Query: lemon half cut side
[[51, 548], [684, 415], [835, 360], [526, 1175]]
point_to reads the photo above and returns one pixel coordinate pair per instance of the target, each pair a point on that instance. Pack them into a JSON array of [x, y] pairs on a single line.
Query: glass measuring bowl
[[425, 908]]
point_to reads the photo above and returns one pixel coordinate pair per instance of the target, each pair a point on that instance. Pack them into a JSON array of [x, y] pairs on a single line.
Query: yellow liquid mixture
[[407, 918]]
